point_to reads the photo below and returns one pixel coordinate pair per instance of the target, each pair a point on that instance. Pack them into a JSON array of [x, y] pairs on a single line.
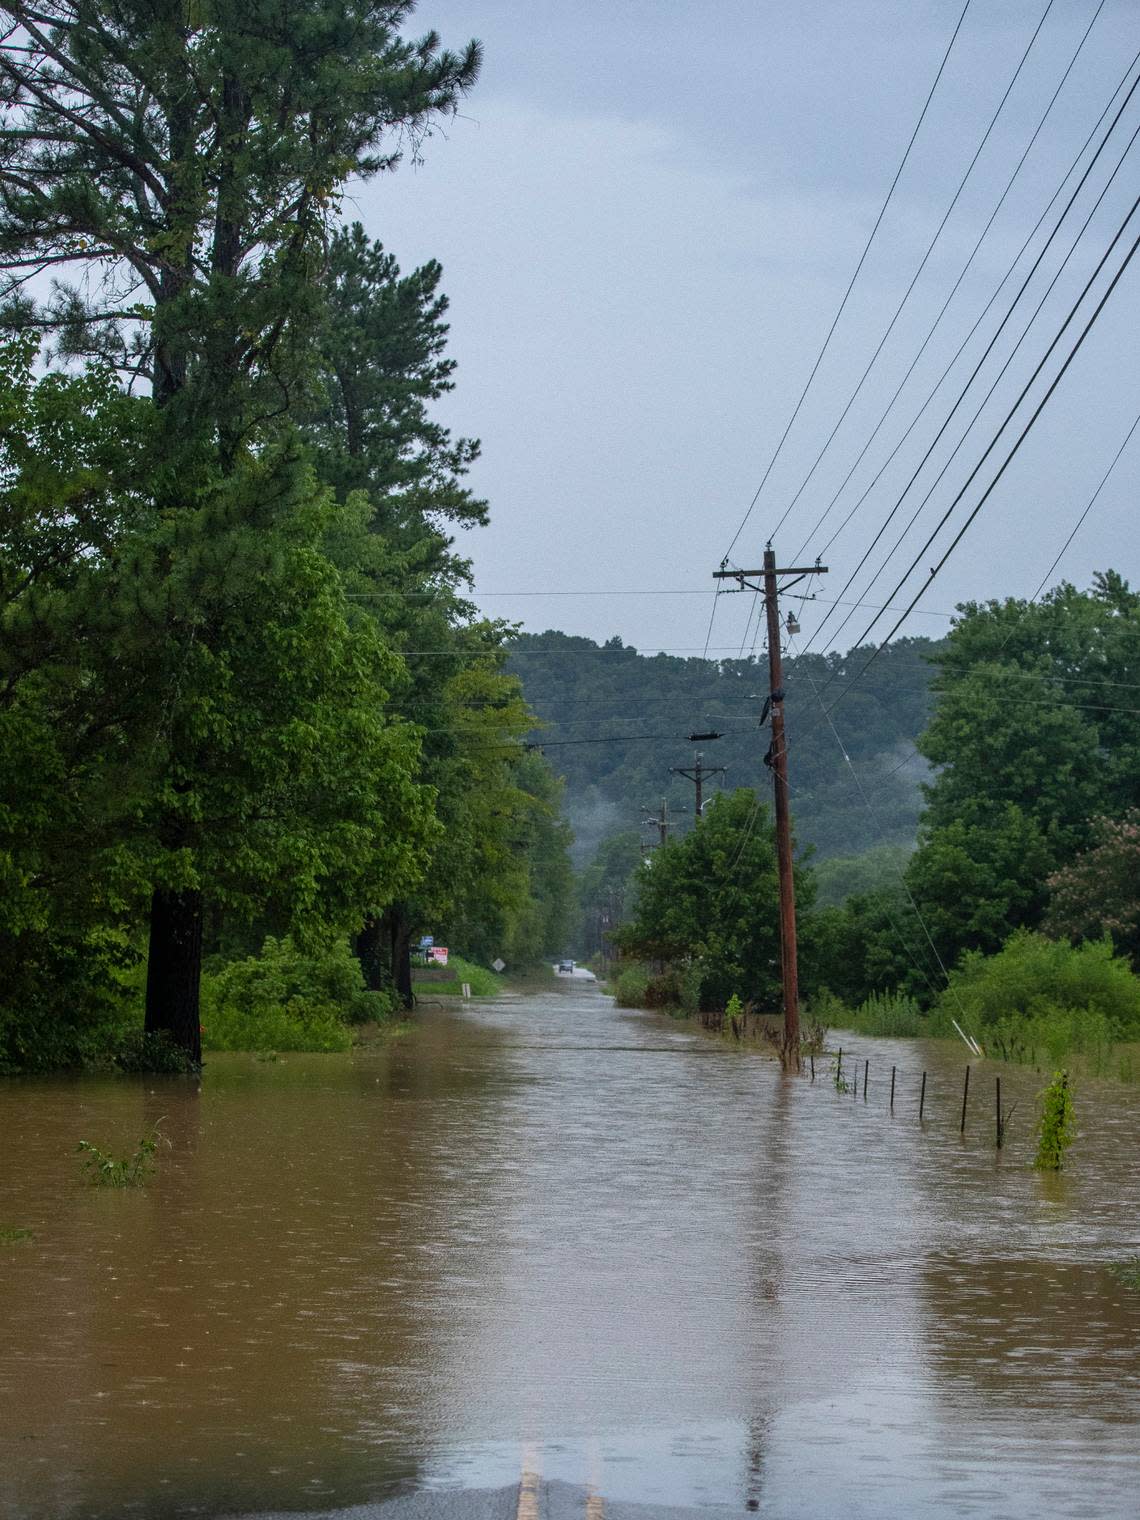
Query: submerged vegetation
[[1055, 1125], [105, 1170], [1127, 1272]]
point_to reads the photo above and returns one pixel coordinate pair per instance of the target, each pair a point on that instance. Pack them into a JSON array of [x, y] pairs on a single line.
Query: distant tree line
[[1030, 827]]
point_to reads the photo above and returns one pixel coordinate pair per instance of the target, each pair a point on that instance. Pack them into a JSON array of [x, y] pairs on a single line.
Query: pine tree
[[183, 166]]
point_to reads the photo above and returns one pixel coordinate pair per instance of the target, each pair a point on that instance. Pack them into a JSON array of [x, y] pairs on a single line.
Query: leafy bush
[[630, 987], [74, 1008], [889, 1014], [1041, 1001], [134, 1050], [284, 999], [1127, 1272], [666, 990], [106, 1170], [1055, 1126], [1050, 1034], [733, 1017], [829, 1011], [1039, 995]]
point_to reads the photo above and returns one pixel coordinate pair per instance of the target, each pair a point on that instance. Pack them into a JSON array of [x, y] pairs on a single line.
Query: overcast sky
[[647, 215]]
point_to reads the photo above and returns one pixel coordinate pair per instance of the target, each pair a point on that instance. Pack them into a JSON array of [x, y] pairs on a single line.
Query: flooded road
[[543, 1235]]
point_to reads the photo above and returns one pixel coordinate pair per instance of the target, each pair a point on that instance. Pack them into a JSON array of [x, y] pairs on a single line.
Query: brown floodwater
[[544, 1233]]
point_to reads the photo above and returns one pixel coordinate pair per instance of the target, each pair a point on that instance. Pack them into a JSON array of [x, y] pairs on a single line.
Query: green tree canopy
[[1031, 742], [1099, 892], [712, 899]]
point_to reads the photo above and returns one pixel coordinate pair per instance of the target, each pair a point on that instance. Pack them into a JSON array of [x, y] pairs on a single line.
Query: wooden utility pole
[[777, 759], [660, 821], [697, 774]]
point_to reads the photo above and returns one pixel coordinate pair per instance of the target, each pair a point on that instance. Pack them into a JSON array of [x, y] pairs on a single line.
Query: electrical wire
[[964, 391], [851, 283], [1075, 530], [930, 247], [1021, 437], [1010, 182]]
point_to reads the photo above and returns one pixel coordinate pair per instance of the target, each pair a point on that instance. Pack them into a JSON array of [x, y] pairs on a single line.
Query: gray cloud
[[647, 215]]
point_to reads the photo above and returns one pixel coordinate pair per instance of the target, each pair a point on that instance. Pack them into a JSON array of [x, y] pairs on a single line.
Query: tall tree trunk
[[174, 969], [402, 956], [373, 954]]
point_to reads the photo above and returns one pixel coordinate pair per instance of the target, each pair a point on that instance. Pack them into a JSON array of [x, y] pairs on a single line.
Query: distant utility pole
[[660, 821], [777, 759], [697, 774]]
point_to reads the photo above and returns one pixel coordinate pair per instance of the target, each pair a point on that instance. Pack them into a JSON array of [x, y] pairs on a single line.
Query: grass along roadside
[[483, 983]]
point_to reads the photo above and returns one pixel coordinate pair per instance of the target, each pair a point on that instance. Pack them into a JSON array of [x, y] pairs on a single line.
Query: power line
[[1076, 529], [985, 354], [898, 311], [622, 591], [958, 283], [1021, 437], [853, 279]]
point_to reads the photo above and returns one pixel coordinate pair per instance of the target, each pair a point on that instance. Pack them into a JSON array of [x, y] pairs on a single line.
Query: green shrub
[[630, 987], [1032, 976], [1048, 1034], [1127, 1272], [828, 1011], [891, 1014], [70, 1004], [1055, 1126], [133, 1050], [733, 1024], [106, 1170], [666, 990], [284, 999]]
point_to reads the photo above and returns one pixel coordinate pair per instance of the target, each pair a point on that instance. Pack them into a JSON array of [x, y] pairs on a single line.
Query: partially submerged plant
[[841, 1083], [814, 1040], [11, 1233], [1055, 1126], [1127, 1272], [105, 1170], [733, 1017]]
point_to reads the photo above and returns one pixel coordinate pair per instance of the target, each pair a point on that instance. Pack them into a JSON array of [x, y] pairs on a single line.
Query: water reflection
[[546, 1231]]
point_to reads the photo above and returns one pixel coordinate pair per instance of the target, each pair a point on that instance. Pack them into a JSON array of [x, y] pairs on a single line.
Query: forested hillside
[[615, 721]]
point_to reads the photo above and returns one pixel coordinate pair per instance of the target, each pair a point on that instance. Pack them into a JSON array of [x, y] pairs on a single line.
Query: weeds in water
[[105, 1170], [814, 1041], [1127, 1272], [841, 1083], [11, 1233], [1055, 1126], [733, 1021]]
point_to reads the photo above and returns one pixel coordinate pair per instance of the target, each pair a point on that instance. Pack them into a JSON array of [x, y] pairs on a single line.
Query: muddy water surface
[[545, 1233]]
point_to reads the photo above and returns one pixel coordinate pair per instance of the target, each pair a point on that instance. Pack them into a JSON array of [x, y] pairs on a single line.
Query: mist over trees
[[1026, 824], [614, 721]]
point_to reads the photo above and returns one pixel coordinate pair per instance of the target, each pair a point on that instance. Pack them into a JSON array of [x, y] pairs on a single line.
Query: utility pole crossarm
[[732, 575], [697, 775]]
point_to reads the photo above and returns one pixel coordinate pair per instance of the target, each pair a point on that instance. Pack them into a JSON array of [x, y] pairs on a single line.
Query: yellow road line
[[528, 1497]]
